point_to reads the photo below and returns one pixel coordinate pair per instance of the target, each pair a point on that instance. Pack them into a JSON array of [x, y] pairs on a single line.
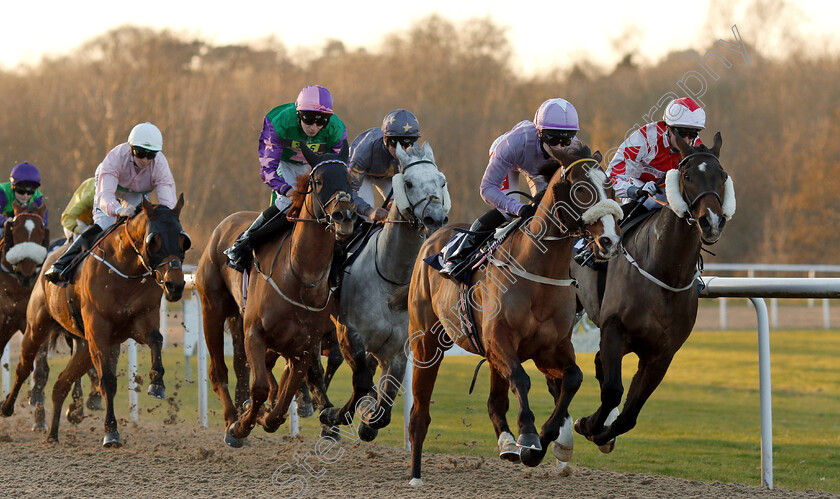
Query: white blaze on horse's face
[[30, 226], [605, 210]]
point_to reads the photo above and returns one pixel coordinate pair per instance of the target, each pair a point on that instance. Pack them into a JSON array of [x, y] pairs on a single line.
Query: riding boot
[[337, 266], [59, 270], [451, 269], [271, 221]]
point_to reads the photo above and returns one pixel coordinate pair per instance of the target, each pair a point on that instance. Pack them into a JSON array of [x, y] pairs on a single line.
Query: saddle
[[485, 245]]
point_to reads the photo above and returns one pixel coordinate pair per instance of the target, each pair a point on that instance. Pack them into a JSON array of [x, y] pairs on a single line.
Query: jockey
[[307, 122], [373, 159], [643, 159], [22, 187], [523, 149], [78, 215], [129, 172]]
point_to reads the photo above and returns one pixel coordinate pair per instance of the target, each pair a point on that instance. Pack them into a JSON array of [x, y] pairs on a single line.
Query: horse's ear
[[562, 155], [40, 210], [597, 156], [148, 207], [428, 153], [402, 156], [716, 146], [17, 207], [344, 153], [681, 144], [179, 205], [311, 156]]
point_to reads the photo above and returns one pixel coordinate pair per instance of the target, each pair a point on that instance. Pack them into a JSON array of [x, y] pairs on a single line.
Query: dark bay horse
[[113, 295], [288, 296], [523, 305], [650, 300], [366, 324]]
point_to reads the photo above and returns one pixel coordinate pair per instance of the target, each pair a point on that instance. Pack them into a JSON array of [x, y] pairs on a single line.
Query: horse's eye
[[686, 177], [409, 185], [318, 183]]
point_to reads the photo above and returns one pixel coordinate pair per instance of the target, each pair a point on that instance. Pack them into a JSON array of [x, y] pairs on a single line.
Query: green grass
[[702, 423]]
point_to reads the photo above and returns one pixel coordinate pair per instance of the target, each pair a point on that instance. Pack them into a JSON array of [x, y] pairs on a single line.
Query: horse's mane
[[301, 186], [577, 150]]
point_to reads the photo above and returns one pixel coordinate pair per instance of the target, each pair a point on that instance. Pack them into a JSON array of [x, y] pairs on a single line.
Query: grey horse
[[365, 323]]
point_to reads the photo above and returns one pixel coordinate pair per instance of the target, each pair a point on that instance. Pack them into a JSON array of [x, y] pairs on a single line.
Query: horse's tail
[[398, 302]]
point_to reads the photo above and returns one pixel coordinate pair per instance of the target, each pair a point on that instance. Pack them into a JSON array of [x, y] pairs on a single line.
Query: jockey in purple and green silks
[[308, 122], [22, 187]]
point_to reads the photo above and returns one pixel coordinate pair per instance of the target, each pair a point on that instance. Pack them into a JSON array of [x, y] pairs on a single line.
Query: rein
[[173, 264], [376, 263]]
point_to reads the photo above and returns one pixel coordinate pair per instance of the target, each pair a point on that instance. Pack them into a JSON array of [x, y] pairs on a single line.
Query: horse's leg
[[315, 380], [36, 334], [608, 373], [645, 381], [289, 383], [498, 404], [41, 375], [94, 398], [303, 397], [240, 360], [329, 342], [156, 387], [273, 388], [255, 348], [390, 384], [503, 357], [101, 356], [214, 336], [79, 363], [354, 353], [428, 354], [557, 430], [76, 409]]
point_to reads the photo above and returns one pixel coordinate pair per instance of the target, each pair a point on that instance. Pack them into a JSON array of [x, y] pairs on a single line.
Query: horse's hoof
[[231, 440], [366, 433], [329, 416], [39, 426], [247, 404], [561, 452], [305, 410], [35, 399], [7, 410], [508, 450], [607, 447], [94, 402], [529, 441], [331, 432], [564, 444], [579, 427], [112, 440], [75, 415], [52, 439], [531, 457], [157, 391], [416, 482]]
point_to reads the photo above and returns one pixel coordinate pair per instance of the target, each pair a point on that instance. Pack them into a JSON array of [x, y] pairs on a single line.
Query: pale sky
[[544, 34]]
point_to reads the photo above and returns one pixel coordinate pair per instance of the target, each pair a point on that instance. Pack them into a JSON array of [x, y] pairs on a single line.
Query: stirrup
[[55, 275]]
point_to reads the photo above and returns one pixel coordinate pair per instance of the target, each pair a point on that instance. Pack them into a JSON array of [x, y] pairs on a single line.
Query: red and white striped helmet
[[685, 113]]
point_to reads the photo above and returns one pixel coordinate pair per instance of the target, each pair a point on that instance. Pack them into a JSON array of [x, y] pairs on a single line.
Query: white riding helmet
[[147, 136], [685, 113]]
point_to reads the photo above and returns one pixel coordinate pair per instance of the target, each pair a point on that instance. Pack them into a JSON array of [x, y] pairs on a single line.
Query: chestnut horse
[[650, 300], [524, 308], [288, 300], [113, 295]]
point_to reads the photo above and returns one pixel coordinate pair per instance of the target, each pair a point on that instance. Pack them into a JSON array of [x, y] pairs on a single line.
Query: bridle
[[153, 270], [409, 217], [320, 207], [689, 201]]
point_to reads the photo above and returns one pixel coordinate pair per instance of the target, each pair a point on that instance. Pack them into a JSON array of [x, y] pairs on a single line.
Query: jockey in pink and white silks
[[129, 172], [520, 151]]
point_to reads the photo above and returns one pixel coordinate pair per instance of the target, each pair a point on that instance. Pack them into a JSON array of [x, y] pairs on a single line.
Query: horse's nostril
[[353, 216], [429, 221], [445, 220], [338, 217], [605, 242]]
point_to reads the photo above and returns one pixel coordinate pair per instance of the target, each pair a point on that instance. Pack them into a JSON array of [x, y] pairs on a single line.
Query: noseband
[[320, 207], [174, 263], [413, 220], [692, 202]]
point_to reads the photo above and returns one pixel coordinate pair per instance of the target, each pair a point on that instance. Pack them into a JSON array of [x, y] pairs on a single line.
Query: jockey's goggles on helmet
[[141, 153], [313, 118], [557, 137], [686, 133], [25, 190], [405, 142]]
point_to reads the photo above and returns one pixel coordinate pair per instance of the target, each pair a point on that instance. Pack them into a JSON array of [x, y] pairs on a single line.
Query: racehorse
[[286, 307], [113, 295], [523, 306], [22, 252], [364, 321], [649, 302]]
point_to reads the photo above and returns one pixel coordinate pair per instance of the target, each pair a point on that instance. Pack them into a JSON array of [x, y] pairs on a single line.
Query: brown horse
[[288, 299], [526, 312], [22, 252], [649, 303], [113, 295]]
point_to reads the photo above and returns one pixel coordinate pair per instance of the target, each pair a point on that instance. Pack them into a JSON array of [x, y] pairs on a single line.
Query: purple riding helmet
[[556, 114], [26, 173], [314, 98]]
